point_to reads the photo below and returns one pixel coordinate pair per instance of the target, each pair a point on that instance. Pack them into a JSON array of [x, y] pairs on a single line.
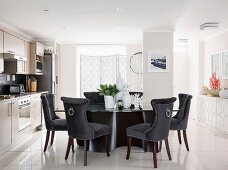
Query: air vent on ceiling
[[209, 26], [183, 40]]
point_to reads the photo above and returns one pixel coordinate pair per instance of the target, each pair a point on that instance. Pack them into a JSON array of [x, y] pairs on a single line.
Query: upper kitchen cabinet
[[38, 49], [36, 58], [21, 66], [1, 52], [13, 45], [27, 55]]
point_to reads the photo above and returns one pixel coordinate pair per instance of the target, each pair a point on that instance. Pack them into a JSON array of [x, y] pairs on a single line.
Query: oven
[[24, 113]]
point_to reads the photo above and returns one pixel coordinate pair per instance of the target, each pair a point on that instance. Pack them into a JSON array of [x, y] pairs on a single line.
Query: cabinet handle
[[56, 79], [23, 66], [9, 109]]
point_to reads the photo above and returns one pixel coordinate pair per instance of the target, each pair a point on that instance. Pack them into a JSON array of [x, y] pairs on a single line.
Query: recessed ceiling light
[[119, 9], [46, 10]]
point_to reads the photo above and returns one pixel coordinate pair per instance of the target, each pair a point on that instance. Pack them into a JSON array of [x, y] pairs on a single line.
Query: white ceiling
[[98, 21]]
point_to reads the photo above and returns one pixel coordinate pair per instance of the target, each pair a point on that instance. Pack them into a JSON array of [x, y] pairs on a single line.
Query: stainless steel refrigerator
[[49, 80]]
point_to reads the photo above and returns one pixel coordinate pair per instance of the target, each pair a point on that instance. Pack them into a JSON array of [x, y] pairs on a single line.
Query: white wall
[[213, 45], [193, 73], [157, 85], [67, 71], [201, 65], [180, 71]]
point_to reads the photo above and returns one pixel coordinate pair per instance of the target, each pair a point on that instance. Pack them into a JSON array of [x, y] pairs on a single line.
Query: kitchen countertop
[[16, 96]]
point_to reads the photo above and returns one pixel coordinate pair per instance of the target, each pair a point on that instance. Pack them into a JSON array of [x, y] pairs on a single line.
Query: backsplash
[[6, 79]]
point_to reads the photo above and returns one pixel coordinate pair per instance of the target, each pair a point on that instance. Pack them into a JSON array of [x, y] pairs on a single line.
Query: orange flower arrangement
[[214, 82]]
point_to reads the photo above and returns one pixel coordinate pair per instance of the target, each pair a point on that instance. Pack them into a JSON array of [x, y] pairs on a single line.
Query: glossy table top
[[101, 108]]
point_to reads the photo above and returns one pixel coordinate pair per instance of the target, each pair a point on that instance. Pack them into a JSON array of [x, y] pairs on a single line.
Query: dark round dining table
[[118, 121]]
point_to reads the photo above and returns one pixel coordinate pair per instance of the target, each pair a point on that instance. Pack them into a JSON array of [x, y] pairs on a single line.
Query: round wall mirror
[[136, 63]]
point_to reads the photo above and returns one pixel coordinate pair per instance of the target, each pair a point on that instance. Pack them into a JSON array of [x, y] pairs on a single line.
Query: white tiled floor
[[207, 152]]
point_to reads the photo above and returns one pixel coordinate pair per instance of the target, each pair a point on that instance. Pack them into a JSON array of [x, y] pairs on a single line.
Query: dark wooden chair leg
[[179, 136], [47, 140], [185, 139], [73, 145], [167, 148], [145, 145], [107, 145], [85, 152], [160, 146], [128, 147], [68, 147], [52, 137], [155, 146], [87, 144]]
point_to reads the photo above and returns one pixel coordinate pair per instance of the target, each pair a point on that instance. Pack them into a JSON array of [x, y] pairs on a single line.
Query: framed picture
[[158, 61], [224, 63], [215, 64]]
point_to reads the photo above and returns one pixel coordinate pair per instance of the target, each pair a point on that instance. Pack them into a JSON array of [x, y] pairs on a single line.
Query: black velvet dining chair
[[156, 131], [180, 120], [94, 98], [52, 121], [78, 126]]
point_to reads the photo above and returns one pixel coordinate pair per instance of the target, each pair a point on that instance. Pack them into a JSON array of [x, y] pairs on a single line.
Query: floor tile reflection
[[207, 151]]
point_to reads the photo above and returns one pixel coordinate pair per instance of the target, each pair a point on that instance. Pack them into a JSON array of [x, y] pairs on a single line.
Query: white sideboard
[[213, 113]]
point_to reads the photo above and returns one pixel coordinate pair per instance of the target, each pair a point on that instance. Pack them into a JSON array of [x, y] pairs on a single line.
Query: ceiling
[[99, 21]]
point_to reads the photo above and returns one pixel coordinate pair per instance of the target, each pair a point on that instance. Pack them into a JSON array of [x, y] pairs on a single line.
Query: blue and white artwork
[[157, 62]]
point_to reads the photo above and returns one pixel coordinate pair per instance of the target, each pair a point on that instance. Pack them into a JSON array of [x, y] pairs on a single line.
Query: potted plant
[[108, 91]]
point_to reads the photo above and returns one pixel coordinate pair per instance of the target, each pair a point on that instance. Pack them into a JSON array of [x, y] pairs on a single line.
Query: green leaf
[[107, 92], [108, 89], [101, 94]]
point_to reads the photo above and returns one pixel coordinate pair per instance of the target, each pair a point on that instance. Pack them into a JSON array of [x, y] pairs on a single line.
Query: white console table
[[213, 112]]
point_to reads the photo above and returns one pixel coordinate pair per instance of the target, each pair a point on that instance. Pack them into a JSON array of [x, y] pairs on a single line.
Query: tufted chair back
[[163, 109], [48, 109], [77, 123], [94, 98], [183, 110]]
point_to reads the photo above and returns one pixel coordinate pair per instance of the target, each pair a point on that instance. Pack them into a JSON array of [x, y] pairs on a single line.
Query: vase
[[126, 98], [109, 102], [223, 93], [213, 92]]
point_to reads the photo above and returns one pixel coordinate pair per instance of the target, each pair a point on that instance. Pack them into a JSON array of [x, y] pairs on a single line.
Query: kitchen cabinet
[[15, 119], [5, 124], [13, 44], [37, 49], [27, 55], [15, 67], [1, 52], [35, 111], [36, 58]]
